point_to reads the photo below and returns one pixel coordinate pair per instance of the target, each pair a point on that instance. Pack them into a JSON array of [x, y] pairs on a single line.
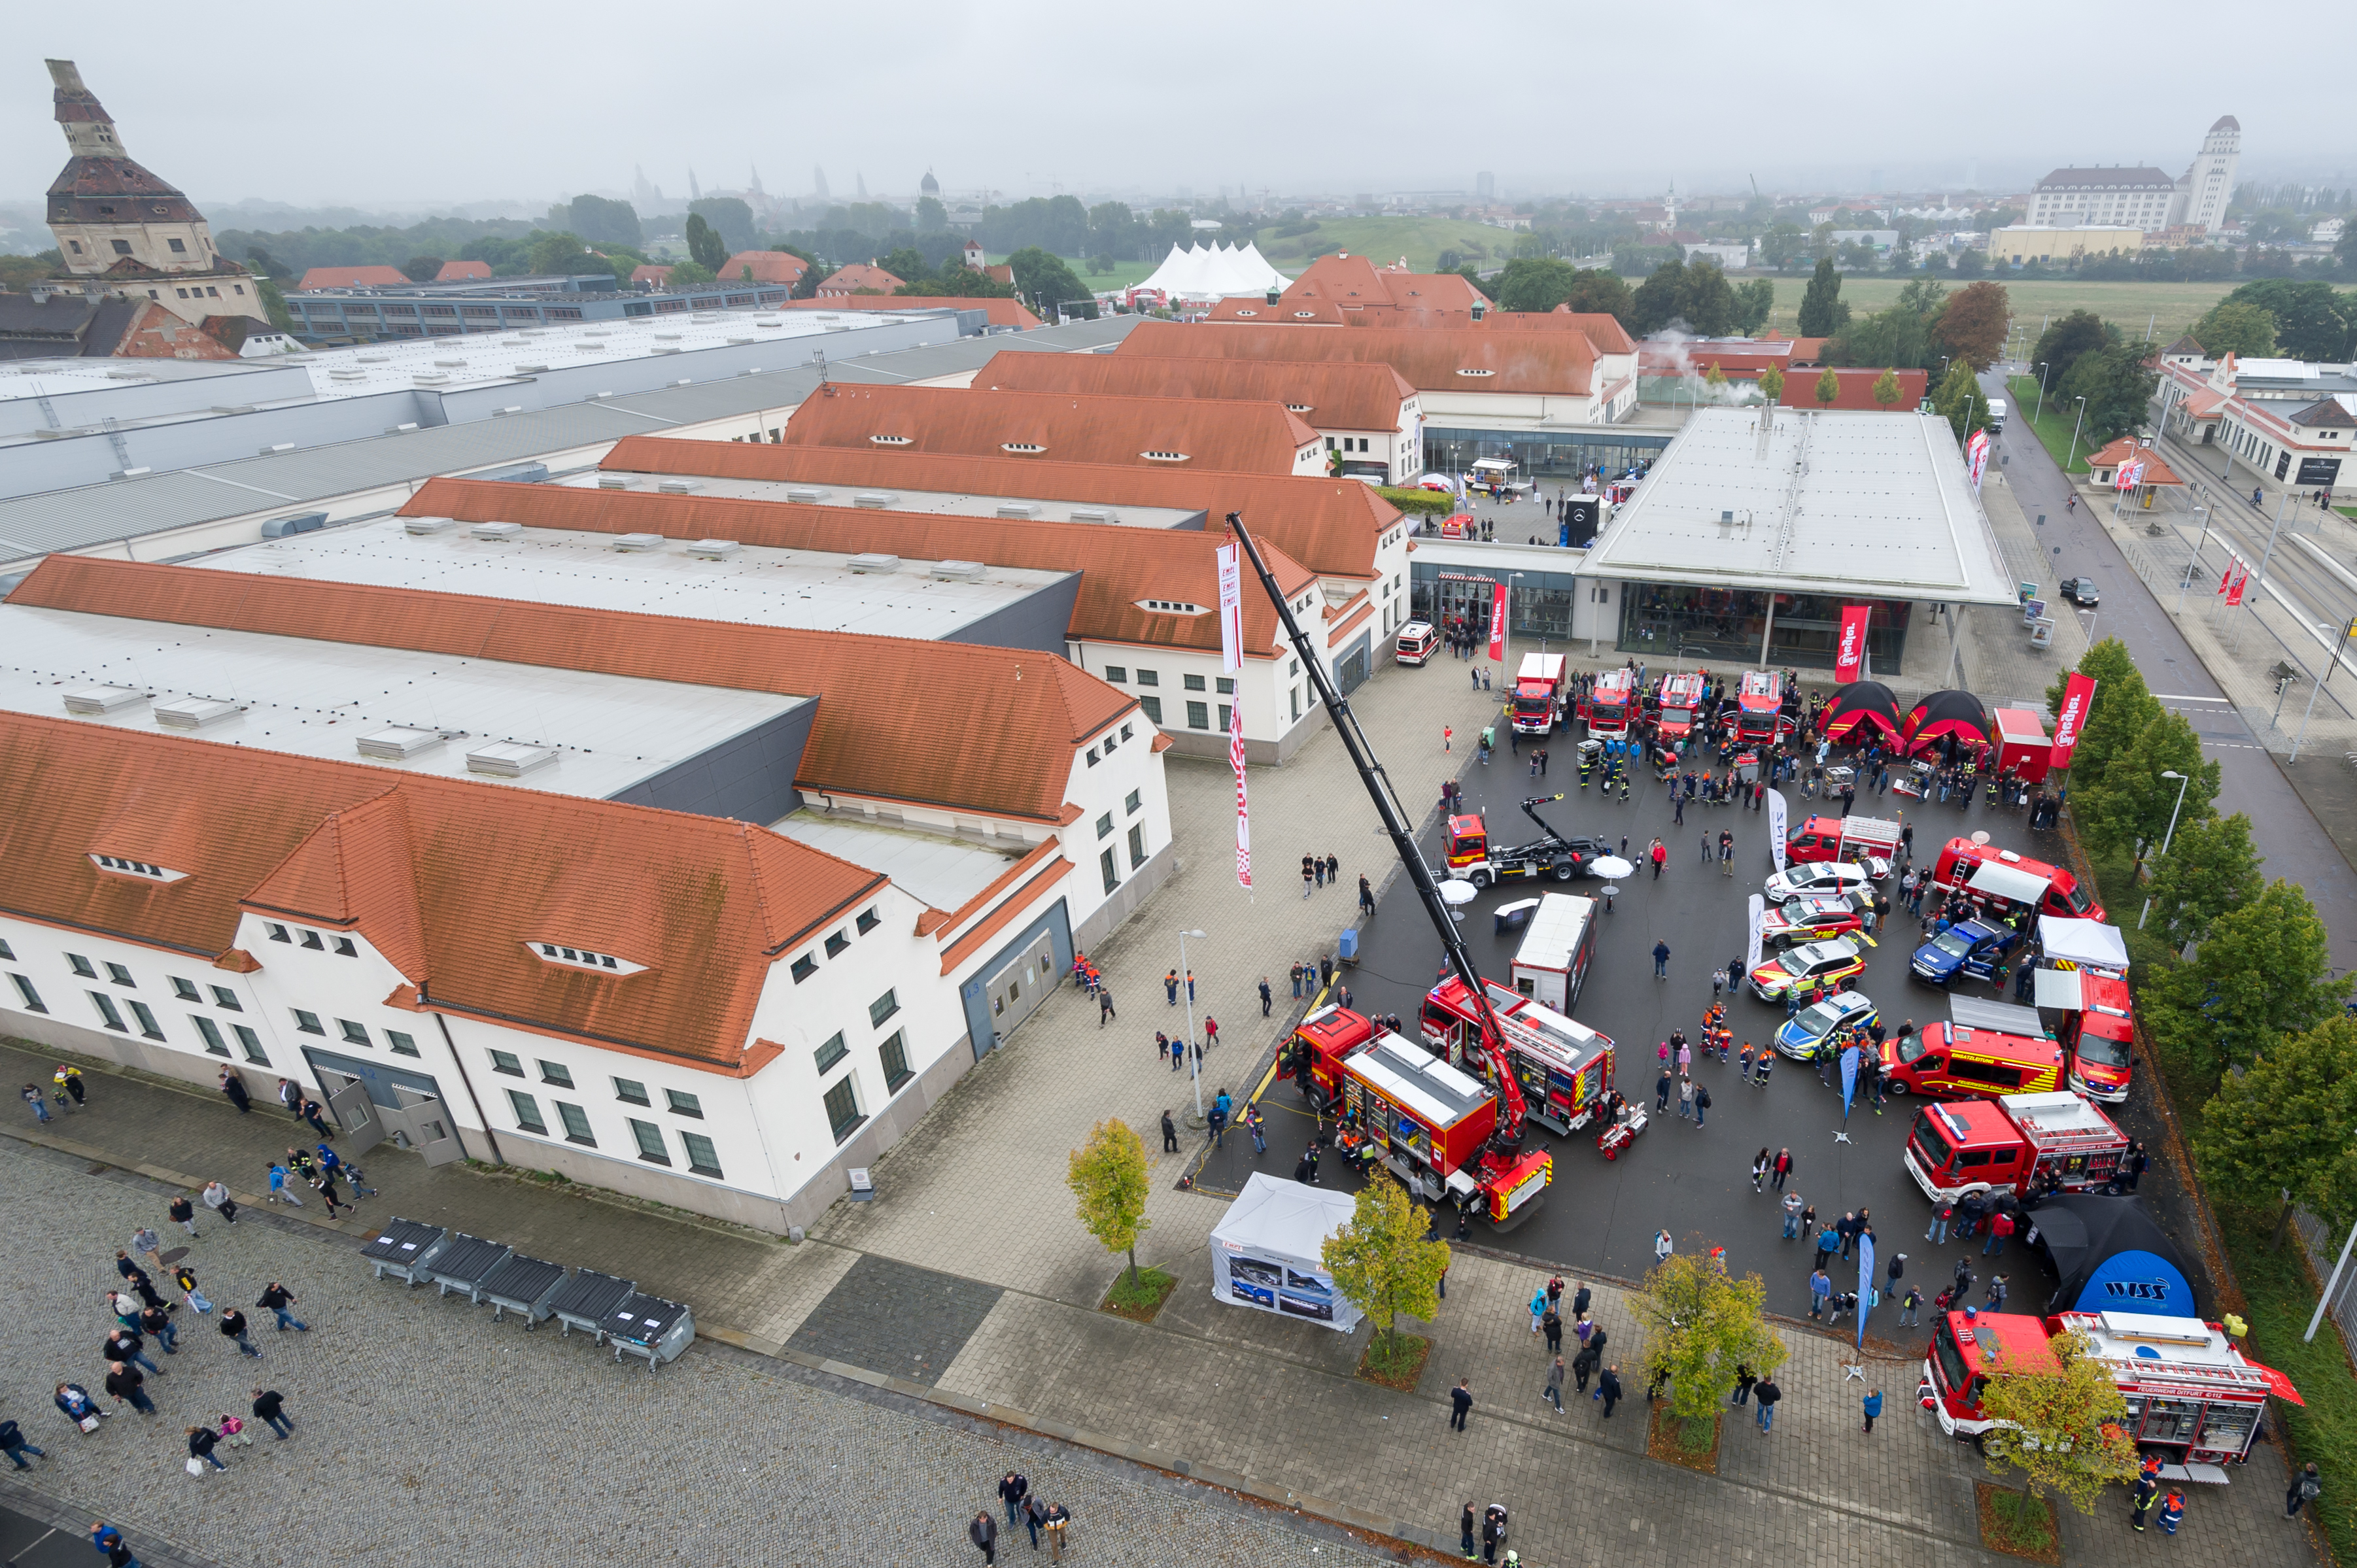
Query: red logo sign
[[1498, 622], [2078, 696], [1851, 657]]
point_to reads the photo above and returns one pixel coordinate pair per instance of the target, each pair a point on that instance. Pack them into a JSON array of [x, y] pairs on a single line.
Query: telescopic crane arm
[[1396, 825]]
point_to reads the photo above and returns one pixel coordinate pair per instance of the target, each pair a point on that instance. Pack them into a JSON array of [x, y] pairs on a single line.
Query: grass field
[[2166, 309], [2054, 431]]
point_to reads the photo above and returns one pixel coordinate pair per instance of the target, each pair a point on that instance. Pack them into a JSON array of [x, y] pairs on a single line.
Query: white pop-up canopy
[[1264, 1251], [2082, 942], [1215, 273]]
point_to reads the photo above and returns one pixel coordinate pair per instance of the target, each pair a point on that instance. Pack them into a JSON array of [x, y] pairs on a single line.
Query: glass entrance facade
[[1554, 456], [1538, 604], [1660, 618]]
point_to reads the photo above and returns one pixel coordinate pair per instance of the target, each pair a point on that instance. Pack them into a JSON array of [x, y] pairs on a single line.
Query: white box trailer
[[1552, 963]]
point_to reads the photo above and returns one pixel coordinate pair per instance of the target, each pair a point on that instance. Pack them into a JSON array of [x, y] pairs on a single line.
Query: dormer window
[[891, 440], [1164, 457], [566, 957], [146, 871], [1471, 372], [1171, 607], [1021, 448], [1298, 407]]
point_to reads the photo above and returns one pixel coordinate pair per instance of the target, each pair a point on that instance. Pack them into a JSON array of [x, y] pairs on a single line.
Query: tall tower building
[[123, 231], [2209, 185]]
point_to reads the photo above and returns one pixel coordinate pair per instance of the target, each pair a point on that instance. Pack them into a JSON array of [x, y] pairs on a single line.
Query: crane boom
[[1396, 825]]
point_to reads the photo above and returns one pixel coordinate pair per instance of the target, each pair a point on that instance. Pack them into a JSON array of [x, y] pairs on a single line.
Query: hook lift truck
[[1444, 1132]]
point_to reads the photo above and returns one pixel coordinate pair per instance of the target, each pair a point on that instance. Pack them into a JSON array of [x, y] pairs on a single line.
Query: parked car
[[1831, 962], [1815, 916], [1800, 1035], [1971, 949], [2080, 591], [1823, 876]]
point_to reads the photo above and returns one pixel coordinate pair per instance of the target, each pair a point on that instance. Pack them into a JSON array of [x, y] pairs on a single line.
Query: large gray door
[[424, 1121], [363, 1127], [1017, 988]]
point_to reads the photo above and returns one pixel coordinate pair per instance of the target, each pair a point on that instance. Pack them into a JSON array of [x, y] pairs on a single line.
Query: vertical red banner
[[1498, 622], [1850, 657], [2078, 696]]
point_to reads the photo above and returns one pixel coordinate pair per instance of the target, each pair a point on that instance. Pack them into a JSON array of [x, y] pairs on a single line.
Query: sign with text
[[1243, 811], [1850, 657], [2078, 696], [1231, 608], [1776, 826], [1758, 913], [1498, 622]]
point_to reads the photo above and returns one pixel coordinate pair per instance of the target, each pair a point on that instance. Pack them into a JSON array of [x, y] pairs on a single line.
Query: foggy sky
[[501, 100]]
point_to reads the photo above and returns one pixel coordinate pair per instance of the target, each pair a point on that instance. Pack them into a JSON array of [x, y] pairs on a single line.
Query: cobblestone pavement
[[425, 1434]]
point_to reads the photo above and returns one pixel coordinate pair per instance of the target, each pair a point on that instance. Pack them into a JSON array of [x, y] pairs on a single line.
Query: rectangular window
[[1131, 803], [1125, 731], [81, 966], [1105, 826], [186, 990], [894, 1054], [224, 998], [1116, 675], [211, 1034], [402, 1045], [556, 1073], [107, 1013], [307, 1022], [1148, 678], [1093, 757], [508, 1063], [251, 1044], [843, 1108], [576, 1125], [1227, 718], [827, 1055], [276, 932], [354, 1034], [835, 944], [1152, 708], [1193, 682], [883, 1007], [118, 974], [804, 967], [649, 1139], [1227, 687], [527, 1113], [1107, 863], [631, 1091], [7, 951], [1198, 715], [311, 939], [344, 947], [1296, 702], [684, 1105], [146, 1021], [32, 997], [1138, 846], [702, 1158], [868, 921]]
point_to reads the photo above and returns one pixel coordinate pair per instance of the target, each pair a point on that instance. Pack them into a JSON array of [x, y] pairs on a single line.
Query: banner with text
[[1976, 453], [1232, 610], [1851, 655], [1776, 826], [1498, 622], [1758, 913], [2078, 696], [1243, 810]]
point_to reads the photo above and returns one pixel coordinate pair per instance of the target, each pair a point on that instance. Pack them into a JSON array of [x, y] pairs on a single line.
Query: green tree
[[1047, 282], [704, 246], [1382, 1265], [1973, 326], [2212, 866], [2263, 971], [2118, 386], [1828, 387], [421, 269], [1960, 399], [1534, 284], [1108, 1177], [1754, 303], [686, 274], [560, 254], [1706, 300], [2061, 344], [1783, 244], [1885, 388], [1771, 382], [1657, 300], [2123, 709], [1599, 291], [1700, 1326], [1971, 263], [1715, 378], [931, 216], [2288, 1123], [2064, 1428], [2126, 807], [2235, 327], [730, 218], [906, 264], [600, 220], [2312, 321], [274, 301], [1822, 314]]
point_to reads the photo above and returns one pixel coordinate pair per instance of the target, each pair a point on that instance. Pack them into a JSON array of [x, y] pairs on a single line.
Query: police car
[[1830, 962], [1969, 949], [1822, 877], [1802, 1035]]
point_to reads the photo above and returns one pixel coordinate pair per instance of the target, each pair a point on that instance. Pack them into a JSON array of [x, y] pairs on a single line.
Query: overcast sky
[[373, 106]]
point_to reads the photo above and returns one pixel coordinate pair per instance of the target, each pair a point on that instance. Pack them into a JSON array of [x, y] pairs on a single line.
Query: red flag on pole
[[1244, 811], [2234, 594], [1850, 657], [2226, 578], [1498, 622], [2078, 696]]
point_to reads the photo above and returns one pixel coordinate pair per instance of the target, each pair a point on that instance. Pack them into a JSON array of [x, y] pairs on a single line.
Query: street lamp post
[[1195, 1061], [2346, 627], [2042, 392], [2182, 781], [2073, 455]]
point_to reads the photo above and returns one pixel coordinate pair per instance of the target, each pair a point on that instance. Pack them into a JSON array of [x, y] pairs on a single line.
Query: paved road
[[2284, 828]]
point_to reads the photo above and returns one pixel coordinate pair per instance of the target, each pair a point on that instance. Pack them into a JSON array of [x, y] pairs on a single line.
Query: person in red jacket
[[2000, 1227]]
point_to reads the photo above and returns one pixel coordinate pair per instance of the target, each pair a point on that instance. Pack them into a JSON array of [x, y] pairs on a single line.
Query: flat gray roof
[[943, 872], [1823, 501], [127, 509]]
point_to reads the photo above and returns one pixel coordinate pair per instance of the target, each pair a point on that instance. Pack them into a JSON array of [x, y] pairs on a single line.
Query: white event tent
[[1215, 273], [1264, 1251]]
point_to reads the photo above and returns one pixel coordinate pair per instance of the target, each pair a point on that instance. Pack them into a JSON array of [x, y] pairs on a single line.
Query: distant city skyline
[[1135, 119]]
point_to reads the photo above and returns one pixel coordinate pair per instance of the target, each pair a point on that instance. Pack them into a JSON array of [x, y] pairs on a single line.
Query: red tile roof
[[882, 700], [450, 877], [1254, 438], [1856, 388], [349, 277], [2125, 450], [655, 272], [1329, 525], [1555, 362], [856, 276], [1001, 312], [1326, 396], [769, 266], [1357, 284], [463, 272]]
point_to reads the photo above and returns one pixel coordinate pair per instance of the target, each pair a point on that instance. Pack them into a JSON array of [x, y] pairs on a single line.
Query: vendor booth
[[1266, 1251], [2090, 944], [1866, 702], [2108, 1256]]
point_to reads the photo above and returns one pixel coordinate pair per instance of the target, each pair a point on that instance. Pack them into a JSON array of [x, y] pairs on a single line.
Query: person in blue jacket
[[1873, 1403]]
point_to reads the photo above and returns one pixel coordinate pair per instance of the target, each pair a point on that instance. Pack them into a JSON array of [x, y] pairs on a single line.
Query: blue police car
[[1969, 949]]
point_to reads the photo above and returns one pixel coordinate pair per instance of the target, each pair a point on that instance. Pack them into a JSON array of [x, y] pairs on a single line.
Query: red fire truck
[[2195, 1402], [1869, 842], [1609, 705], [1538, 693], [1436, 1127], [2012, 1145], [1562, 1065], [1676, 698], [2098, 1028], [1757, 717], [2001, 878]]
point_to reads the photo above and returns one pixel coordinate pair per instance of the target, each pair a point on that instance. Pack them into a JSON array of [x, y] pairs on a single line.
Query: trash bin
[[520, 1285], [585, 1300], [1348, 949], [403, 1248], [650, 1328], [464, 1264]]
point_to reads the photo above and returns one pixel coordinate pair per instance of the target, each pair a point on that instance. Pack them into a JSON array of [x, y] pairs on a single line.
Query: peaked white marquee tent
[[1214, 273]]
